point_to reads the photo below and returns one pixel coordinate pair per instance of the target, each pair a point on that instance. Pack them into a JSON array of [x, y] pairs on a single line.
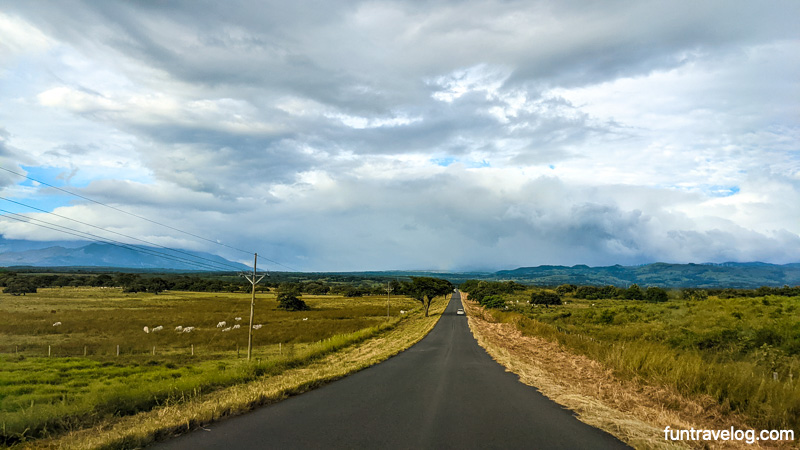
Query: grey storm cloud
[[400, 134]]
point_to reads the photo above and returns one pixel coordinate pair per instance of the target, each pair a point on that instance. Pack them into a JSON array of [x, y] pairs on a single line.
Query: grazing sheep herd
[[181, 329]]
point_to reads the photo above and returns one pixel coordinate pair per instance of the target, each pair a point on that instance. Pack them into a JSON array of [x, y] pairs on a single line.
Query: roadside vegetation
[[739, 347], [76, 357]]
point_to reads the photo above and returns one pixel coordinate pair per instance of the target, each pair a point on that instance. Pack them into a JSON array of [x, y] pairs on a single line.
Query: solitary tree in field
[[17, 287], [157, 285], [545, 298], [287, 299], [425, 289]]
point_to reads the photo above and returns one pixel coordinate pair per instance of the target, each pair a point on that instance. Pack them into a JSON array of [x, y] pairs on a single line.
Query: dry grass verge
[[144, 428], [634, 412]]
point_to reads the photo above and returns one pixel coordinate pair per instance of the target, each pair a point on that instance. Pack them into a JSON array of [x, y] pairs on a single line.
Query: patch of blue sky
[[39, 196], [444, 162], [712, 190], [39, 202], [56, 176], [722, 191]]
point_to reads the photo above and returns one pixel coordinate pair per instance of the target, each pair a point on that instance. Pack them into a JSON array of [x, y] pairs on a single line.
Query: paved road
[[444, 392]]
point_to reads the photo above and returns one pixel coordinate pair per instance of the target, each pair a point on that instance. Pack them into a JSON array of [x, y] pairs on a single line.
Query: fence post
[[84, 351], [192, 349], [154, 350], [117, 349], [48, 351]]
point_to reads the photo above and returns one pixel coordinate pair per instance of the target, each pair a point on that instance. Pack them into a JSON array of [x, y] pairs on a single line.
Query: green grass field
[[41, 396], [743, 352]]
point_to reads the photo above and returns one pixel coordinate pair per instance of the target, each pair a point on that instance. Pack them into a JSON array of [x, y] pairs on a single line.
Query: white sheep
[[237, 318], [158, 328], [146, 330], [305, 318], [402, 311], [257, 326], [237, 326], [222, 324], [226, 329], [179, 328], [57, 324], [188, 329]]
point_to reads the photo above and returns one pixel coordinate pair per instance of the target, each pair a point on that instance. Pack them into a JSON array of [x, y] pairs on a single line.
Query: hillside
[[734, 275]]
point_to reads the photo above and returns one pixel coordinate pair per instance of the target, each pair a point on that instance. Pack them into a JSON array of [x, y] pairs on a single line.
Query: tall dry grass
[[744, 386]]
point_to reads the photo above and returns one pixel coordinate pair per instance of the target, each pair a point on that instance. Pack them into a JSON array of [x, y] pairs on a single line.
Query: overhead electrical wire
[[83, 234], [134, 215], [126, 212], [115, 232]]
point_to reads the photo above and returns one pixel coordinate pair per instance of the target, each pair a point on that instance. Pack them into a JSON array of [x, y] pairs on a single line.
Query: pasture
[[42, 395]]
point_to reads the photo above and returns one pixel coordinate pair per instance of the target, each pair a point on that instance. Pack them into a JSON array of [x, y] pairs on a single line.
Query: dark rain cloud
[[316, 128]]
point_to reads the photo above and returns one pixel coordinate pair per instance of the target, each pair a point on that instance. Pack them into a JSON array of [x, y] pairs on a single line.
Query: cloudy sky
[[378, 135]]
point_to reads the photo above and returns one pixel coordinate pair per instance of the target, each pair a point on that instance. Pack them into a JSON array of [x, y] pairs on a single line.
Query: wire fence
[[122, 350]]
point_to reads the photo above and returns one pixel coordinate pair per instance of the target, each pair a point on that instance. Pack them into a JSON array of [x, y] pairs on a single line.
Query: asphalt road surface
[[444, 392]]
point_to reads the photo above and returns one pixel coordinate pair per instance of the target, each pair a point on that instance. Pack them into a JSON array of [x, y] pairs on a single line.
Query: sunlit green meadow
[[41, 395]]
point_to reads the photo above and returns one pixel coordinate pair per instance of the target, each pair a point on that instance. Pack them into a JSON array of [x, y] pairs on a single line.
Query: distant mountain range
[[80, 254], [77, 254], [710, 275]]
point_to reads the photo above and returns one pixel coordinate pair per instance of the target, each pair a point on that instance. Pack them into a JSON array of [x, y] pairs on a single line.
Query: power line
[[126, 212], [83, 234], [114, 232], [141, 217]]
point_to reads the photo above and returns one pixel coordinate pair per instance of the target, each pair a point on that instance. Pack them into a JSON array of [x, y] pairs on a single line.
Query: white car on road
[[460, 312]]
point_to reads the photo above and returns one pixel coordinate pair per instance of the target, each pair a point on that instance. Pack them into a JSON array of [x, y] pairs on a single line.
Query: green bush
[[566, 289], [655, 295], [493, 301]]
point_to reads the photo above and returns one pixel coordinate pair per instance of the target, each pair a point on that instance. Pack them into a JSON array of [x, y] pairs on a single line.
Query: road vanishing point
[[445, 392]]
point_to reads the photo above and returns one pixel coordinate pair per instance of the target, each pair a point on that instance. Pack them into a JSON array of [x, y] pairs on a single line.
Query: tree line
[[423, 289], [491, 293]]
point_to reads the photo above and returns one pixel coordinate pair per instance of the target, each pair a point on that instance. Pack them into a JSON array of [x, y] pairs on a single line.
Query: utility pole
[[252, 281], [388, 290]]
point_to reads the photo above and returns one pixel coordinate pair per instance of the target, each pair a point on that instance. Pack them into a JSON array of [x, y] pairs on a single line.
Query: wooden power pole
[[252, 281], [388, 291]]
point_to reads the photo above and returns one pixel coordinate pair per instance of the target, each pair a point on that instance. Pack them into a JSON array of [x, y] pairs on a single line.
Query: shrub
[[493, 301], [478, 290], [634, 292], [694, 294], [597, 293], [655, 295], [566, 289]]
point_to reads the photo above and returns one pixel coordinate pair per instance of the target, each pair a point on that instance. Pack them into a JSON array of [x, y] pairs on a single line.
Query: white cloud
[[478, 135]]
